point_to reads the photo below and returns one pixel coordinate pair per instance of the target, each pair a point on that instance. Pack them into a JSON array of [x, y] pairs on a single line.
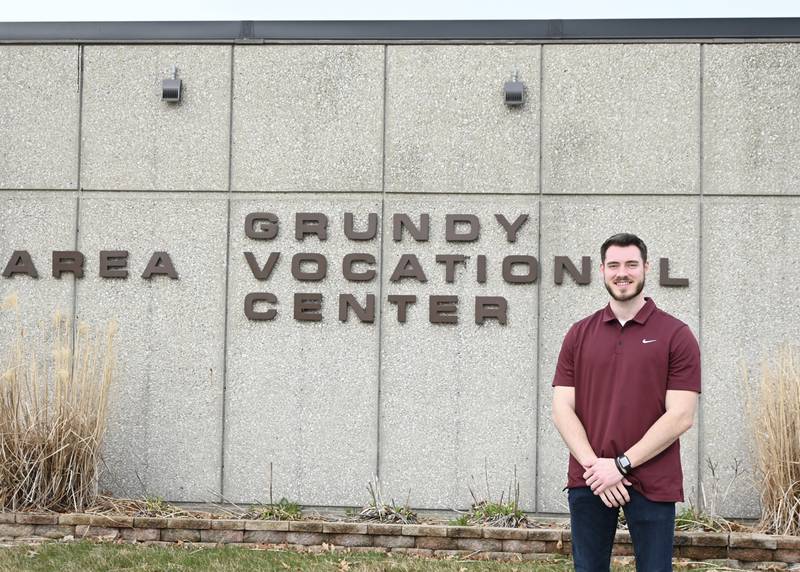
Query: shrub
[[505, 512], [284, 510], [53, 415], [774, 410], [377, 510]]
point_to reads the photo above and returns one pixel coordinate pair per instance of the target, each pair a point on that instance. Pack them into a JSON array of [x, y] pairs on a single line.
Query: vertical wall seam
[[78, 195], [537, 455], [380, 272], [227, 287], [700, 251]]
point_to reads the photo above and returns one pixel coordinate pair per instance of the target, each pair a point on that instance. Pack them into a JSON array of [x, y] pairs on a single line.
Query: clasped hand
[[605, 480]]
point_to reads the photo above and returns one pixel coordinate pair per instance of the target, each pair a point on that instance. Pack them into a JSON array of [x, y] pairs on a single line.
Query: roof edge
[[403, 30]]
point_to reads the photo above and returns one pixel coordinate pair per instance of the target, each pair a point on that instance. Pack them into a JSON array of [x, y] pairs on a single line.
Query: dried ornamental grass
[[774, 408], [53, 415]]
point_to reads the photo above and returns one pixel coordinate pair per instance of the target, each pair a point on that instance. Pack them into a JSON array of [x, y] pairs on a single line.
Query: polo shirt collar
[[641, 316]]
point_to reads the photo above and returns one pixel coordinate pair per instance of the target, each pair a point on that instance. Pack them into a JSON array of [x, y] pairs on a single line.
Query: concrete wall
[[693, 146]]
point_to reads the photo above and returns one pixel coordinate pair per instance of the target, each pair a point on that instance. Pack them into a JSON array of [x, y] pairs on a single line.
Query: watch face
[[623, 460]]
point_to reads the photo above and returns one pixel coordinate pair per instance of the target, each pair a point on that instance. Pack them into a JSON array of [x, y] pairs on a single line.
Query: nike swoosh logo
[[645, 341]]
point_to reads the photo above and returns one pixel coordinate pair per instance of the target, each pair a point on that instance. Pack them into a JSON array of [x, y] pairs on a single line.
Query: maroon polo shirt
[[621, 375]]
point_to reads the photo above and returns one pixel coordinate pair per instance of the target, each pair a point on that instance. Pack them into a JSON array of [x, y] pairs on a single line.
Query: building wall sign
[[356, 267]]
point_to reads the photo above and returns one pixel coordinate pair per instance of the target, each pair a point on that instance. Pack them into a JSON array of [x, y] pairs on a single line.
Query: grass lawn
[[109, 557]]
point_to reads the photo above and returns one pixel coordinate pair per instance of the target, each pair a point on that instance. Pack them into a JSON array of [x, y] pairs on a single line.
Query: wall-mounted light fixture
[[514, 92], [171, 88]]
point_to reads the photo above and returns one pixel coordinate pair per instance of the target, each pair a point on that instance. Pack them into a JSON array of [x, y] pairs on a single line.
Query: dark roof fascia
[[404, 30]]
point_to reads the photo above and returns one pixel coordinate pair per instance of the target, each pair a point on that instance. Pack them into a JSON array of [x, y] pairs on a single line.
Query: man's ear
[[647, 266]]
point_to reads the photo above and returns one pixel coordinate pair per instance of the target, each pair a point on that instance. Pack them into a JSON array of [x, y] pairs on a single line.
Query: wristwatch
[[623, 464]]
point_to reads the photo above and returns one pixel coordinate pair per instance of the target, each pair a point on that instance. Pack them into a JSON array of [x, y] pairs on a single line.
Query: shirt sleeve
[[565, 368], [684, 361]]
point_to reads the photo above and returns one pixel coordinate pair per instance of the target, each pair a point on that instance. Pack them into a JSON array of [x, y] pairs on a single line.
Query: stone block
[[115, 521], [29, 518], [681, 538], [786, 555], [393, 541], [269, 525], [88, 531], [546, 534], [745, 322], [288, 373], [621, 118], [170, 353], [7, 517], [222, 536], [524, 546], [622, 537], [385, 529], [73, 519], [506, 533], [305, 526], [350, 540], [480, 544], [180, 535], [308, 118], [14, 530], [751, 129], [132, 140], [54, 531], [464, 532], [786, 541], [622, 550], [140, 534], [468, 386], [468, 141], [265, 536], [228, 524], [704, 552], [670, 226], [306, 538], [749, 540], [436, 543], [707, 538], [39, 116], [150, 522], [344, 527], [424, 530], [195, 523], [750, 554]]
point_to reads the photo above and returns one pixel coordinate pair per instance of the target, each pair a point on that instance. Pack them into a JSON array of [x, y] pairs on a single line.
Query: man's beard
[[625, 297]]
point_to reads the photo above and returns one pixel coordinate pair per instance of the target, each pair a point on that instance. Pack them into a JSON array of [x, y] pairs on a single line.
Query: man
[[625, 388]]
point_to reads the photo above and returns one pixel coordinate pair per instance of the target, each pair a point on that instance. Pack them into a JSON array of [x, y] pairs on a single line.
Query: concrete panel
[[459, 400], [621, 119], [751, 127], [670, 228], [747, 314], [447, 128], [308, 118], [37, 222], [39, 117], [164, 433], [302, 396], [132, 140]]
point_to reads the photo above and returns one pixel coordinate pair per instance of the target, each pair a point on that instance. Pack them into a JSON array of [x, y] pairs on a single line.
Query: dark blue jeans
[[651, 524]]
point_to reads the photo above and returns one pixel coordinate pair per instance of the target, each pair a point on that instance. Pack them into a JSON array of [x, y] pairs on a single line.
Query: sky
[[166, 10]]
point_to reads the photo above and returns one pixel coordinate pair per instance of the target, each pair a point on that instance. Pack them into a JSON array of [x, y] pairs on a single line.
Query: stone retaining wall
[[419, 540]]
